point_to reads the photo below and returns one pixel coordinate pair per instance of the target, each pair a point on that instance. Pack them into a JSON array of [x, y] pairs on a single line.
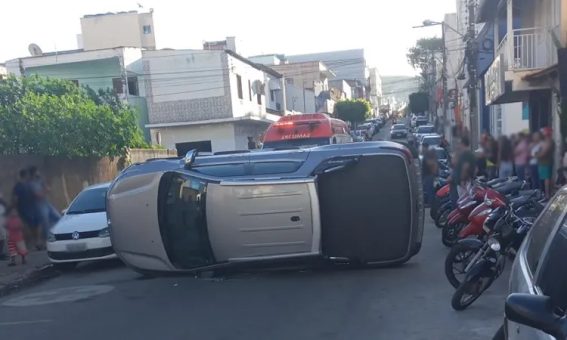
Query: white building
[[211, 100], [128, 29]]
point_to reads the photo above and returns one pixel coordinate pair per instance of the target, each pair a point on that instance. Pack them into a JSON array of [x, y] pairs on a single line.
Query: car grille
[[82, 235], [91, 253]]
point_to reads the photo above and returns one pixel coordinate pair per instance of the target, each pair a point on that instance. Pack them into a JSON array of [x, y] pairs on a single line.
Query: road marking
[[67, 294], [17, 323]]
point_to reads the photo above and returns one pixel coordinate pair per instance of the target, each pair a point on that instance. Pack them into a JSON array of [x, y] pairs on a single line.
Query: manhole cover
[[67, 294]]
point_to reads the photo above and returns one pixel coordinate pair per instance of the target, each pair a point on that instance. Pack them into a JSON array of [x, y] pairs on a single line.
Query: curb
[[28, 279]]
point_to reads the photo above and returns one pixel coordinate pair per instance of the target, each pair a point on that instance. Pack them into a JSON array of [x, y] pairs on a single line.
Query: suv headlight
[[104, 232], [51, 237]]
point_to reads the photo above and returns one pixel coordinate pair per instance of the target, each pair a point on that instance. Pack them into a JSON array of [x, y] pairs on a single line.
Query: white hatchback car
[[82, 234]]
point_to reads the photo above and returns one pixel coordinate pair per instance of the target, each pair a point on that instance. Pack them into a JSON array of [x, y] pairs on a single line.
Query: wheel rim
[[474, 290]]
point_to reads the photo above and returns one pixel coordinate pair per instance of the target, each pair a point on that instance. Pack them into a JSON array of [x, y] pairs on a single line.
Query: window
[[289, 81], [89, 201], [272, 95], [259, 98], [250, 90], [118, 86], [553, 277], [239, 86], [542, 229], [147, 29]]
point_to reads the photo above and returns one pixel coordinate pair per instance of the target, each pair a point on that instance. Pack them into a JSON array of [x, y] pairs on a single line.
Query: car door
[[264, 219], [534, 270]]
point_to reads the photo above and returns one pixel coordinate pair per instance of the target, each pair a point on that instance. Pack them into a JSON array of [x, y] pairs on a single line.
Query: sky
[[382, 27]]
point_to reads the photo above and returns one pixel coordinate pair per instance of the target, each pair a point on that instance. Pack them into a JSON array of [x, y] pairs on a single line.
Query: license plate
[[76, 247]]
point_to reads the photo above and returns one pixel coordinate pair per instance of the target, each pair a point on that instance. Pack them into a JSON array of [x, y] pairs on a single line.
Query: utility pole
[[445, 122], [472, 53]]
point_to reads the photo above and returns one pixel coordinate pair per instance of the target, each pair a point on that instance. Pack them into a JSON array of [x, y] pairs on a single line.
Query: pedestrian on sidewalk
[[521, 156], [505, 158], [491, 151], [23, 199], [535, 146], [465, 172], [545, 160], [3, 234], [16, 242], [46, 213]]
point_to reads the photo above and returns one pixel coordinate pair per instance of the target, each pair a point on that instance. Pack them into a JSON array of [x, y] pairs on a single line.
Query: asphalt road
[[108, 301]]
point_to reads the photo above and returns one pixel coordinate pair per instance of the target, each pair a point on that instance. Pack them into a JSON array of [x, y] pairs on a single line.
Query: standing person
[[491, 157], [465, 171], [46, 213], [3, 234], [521, 156], [481, 169], [505, 158], [23, 199], [428, 171], [545, 160], [535, 147], [16, 242]]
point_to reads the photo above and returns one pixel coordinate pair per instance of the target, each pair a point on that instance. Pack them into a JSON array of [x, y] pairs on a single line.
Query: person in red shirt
[[16, 242]]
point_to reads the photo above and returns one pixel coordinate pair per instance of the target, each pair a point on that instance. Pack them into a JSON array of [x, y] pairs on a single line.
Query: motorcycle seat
[[509, 188]]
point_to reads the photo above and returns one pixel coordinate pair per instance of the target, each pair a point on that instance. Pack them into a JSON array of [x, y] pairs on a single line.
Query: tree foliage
[[418, 102], [353, 110], [420, 56], [54, 117]]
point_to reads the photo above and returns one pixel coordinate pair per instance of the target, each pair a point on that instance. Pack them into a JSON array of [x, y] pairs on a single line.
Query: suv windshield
[[426, 129], [89, 201], [398, 127], [432, 140]]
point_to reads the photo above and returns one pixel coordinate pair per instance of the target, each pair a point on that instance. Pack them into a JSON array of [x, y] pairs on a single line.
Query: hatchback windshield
[[88, 201], [398, 127], [432, 140], [426, 129]]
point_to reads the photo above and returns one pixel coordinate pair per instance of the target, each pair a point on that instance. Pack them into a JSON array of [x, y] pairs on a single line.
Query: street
[[109, 301]]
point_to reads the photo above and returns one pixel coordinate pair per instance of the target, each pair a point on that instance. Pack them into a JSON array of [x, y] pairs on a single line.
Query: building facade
[[118, 69], [210, 100]]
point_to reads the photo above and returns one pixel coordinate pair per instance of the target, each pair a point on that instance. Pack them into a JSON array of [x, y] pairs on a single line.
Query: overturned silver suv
[[358, 203]]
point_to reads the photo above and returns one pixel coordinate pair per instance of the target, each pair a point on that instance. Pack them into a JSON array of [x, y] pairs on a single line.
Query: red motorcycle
[[492, 200], [459, 218]]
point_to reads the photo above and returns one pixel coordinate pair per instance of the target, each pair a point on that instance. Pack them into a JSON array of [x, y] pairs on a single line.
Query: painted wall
[[346, 64], [186, 85], [97, 74], [222, 136]]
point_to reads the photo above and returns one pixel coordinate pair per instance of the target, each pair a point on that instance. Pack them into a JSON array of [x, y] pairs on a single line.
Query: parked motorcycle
[[482, 219], [489, 260]]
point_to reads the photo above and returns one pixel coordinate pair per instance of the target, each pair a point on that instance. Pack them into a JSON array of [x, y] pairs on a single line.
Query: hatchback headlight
[[104, 232], [51, 237]]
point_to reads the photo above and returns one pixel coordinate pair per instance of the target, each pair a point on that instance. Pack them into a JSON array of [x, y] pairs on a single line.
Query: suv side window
[[553, 276], [543, 228]]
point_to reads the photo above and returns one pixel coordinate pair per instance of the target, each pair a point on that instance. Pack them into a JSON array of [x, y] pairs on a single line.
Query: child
[[16, 243]]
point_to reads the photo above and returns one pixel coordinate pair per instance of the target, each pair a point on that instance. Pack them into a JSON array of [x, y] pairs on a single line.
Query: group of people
[[529, 157], [27, 217]]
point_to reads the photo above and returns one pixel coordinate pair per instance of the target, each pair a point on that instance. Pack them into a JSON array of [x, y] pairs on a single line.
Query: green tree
[[421, 55], [353, 110], [55, 117]]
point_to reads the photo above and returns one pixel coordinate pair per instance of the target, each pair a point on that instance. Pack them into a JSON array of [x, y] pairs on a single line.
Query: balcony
[[527, 49]]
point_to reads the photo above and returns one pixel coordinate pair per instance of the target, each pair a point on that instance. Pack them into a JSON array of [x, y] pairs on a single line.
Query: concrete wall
[[115, 30], [221, 135], [67, 177]]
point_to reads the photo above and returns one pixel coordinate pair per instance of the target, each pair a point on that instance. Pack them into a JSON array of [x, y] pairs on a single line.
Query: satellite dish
[[35, 50]]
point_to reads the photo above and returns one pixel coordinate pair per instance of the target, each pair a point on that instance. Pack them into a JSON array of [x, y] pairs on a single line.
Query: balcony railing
[[527, 49]]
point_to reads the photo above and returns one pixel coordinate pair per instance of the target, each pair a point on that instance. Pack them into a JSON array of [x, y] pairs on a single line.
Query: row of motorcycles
[[487, 226]]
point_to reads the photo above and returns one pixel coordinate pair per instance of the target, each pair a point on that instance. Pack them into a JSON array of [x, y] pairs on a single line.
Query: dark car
[[324, 203], [538, 280], [398, 131]]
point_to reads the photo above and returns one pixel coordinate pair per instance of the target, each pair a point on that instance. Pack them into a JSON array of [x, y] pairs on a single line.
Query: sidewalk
[[19, 276]]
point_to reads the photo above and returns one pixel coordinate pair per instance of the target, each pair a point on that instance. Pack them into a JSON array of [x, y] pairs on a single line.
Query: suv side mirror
[[538, 312]]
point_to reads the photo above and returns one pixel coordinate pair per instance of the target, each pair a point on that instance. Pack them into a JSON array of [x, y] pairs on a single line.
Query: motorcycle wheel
[[468, 292], [457, 260], [450, 234], [441, 220]]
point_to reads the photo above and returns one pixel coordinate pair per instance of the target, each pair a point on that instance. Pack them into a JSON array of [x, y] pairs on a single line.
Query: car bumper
[[398, 135], [91, 249]]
